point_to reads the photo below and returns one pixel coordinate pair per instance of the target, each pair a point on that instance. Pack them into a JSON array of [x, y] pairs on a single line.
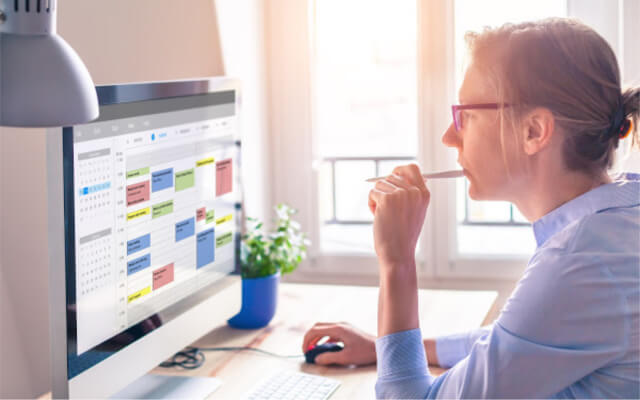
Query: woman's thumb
[[329, 358]]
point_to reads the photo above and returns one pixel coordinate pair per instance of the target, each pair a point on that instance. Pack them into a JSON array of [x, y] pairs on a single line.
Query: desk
[[300, 306]]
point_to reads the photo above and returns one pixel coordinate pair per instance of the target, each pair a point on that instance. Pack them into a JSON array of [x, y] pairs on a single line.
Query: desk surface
[[300, 306]]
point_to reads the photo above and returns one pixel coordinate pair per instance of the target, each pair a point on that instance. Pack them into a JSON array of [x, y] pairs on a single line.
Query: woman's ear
[[539, 127]]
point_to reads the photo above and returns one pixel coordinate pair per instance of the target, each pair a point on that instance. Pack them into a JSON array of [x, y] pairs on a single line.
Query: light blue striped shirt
[[570, 328]]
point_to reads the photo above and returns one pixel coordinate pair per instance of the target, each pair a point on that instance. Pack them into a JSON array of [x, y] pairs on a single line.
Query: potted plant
[[263, 258]]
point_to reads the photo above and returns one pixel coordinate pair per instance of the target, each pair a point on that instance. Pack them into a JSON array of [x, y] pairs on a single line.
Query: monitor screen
[[151, 205]]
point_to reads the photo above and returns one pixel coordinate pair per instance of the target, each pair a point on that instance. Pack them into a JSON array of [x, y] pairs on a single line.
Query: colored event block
[[205, 248], [205, 161], [162, 179], [211, 215], [224, 239], [137, 213], [138, 264], [201, 213], [139, 294], [224, 219], [164, 208], [185, 228], [224, 177], [185, 179], [137, 193], [137, 172], [139, 243], [162, 276]]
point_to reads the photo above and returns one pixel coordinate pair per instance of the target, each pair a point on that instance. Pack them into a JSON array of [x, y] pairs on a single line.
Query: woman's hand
[[359, 347], [399, 205]]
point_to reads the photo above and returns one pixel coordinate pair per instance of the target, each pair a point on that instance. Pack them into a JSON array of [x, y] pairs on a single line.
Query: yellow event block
[[138, 213], [139, 294], [224, 219], [205, 161]]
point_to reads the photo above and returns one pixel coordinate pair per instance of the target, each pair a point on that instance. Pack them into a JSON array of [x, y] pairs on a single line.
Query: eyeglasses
[[456, 110]]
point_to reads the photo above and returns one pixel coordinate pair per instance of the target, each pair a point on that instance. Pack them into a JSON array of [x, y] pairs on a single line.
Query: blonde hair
[[568, 68]]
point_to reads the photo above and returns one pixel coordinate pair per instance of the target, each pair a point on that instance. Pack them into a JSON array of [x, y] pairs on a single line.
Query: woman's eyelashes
[[465, 116]]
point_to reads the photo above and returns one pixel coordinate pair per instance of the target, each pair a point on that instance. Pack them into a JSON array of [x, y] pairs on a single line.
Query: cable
[[249, 349], [193, 357], [189, 358]]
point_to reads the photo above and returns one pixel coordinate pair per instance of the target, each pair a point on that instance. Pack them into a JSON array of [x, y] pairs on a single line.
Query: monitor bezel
[[60, 144]]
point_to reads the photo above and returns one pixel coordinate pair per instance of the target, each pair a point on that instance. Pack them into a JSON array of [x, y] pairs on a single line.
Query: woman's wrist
[[397, 270], [398, 301]]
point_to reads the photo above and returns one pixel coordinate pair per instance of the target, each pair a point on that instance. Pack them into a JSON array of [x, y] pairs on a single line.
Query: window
[[364, 96]]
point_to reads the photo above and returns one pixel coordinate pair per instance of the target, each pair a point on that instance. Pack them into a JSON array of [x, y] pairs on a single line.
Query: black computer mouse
[[310, 355]]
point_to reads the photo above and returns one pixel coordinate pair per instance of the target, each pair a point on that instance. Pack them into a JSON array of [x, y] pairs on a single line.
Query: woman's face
[[480, 152]]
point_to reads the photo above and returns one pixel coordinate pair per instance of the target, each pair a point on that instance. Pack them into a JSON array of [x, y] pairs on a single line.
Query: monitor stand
[[155, 386]]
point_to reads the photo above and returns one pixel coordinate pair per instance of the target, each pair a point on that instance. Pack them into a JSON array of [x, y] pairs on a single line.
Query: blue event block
[[162, 179], [139, 243], [138, 264], [205, 246], [185, 229]]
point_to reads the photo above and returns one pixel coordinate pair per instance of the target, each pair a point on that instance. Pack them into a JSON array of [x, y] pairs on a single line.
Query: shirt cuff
[[400, 355], [451, 349]]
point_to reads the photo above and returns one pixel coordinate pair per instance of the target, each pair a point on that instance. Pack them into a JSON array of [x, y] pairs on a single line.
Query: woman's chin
[[476, 193], [473, 192], [473, 195]]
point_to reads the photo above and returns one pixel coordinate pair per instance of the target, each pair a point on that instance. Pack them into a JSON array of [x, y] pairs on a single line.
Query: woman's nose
[[450, 137]]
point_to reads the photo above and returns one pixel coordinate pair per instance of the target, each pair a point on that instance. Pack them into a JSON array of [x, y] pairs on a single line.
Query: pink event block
[[137, 193], [224, 177], [162, 276], [201, 213]]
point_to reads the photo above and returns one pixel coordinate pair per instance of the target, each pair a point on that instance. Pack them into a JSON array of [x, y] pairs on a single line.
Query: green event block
[[164, 208], [224, 239], [138, 172], [211, 215], [185, 179]]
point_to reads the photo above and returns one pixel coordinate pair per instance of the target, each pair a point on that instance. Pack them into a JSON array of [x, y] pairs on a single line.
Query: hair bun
[[626, 128], [618, 123]]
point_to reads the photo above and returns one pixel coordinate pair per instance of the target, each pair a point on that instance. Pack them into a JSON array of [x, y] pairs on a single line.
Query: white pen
[[430, 175]]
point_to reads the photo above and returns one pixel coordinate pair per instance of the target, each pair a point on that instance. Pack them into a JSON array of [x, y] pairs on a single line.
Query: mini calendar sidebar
[[144, 224]]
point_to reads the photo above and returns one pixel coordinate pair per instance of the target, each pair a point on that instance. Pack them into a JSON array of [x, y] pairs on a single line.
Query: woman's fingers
[[380, 188], [316, 333], [375, 197], [398, 181], [412, 174]]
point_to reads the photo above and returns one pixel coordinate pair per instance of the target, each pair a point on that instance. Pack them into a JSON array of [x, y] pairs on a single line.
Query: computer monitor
[[144, 224]]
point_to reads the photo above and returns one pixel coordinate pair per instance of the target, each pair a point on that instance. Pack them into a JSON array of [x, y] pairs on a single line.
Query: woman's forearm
[[430, 351], [398, 299]]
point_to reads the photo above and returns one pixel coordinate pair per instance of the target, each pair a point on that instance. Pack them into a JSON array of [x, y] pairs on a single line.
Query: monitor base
[[154, 386]]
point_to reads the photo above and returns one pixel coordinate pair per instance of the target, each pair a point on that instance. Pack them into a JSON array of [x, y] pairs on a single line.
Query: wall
[[120, 41]]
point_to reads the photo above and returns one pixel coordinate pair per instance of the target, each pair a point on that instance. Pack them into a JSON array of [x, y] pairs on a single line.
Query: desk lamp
[[43, 81]]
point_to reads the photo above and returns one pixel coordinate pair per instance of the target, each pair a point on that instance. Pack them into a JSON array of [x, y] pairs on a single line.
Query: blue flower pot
[[259, 299]]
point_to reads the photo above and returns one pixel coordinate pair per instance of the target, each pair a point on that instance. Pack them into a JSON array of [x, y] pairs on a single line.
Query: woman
[[542, 113]]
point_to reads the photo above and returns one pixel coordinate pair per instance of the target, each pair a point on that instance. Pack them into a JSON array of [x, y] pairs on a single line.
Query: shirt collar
[[623, 192]]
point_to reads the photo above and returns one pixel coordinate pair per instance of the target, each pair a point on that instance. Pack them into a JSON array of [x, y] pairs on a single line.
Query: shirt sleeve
[[564, 320], [402, 366], [453, 348]]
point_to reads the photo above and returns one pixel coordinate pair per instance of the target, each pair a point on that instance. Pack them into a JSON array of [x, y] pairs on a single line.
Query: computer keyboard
[[292, 385]]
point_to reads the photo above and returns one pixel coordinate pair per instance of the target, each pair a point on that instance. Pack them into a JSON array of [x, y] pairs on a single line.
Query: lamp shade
[[43, 82]]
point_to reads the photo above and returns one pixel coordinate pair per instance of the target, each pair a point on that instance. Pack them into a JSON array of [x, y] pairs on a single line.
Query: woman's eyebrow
[[461, 98]]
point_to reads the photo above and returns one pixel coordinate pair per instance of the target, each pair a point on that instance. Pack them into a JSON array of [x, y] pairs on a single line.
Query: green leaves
[[263, 254]]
